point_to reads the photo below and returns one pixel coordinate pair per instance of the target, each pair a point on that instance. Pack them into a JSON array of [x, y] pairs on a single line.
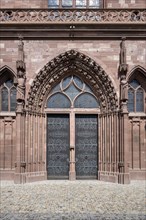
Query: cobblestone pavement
[[77, 200]]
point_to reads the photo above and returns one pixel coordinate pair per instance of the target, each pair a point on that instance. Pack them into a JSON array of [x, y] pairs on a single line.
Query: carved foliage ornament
[[72, 62]]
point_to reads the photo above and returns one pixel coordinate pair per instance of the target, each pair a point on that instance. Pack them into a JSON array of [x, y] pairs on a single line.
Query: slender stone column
[[124, 175], [20, 116]]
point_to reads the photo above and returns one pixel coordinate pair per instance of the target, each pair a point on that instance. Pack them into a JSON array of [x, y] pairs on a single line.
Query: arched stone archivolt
[[72, 62]]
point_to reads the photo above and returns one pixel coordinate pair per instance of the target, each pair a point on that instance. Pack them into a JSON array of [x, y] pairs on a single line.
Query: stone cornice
[[72, 23]]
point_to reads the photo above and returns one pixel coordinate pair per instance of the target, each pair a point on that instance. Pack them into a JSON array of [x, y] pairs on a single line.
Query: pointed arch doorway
[[72, 130], [71, 100]]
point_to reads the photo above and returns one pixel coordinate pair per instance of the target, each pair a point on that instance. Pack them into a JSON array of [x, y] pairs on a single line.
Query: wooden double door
[[72, 146]]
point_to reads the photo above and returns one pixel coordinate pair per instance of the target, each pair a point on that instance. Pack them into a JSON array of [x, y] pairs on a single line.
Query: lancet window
[[135, 97], [8, 95]]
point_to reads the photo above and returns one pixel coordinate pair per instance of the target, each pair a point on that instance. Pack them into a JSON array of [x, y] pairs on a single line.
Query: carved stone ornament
[[21, 75], [72, 62], [72, 15], [123, 67]]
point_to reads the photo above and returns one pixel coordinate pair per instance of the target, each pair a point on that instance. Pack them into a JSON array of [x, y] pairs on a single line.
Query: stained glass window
[[58, 100], [139, 100], [94, 3], [131, 100], [9, 83], [135, 97], [66, 3], [66, 82], [4, 95], [72, 91], [134, 83], [80, 3], [53, 3], [86, 100], [78, 82], [8, 96], [75, 3]]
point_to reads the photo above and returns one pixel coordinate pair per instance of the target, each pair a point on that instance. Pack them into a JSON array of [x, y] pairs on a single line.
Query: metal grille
[[86, 146], [58, 147]]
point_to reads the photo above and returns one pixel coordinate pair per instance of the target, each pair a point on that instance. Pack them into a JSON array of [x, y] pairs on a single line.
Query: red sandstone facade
[[39, 48]]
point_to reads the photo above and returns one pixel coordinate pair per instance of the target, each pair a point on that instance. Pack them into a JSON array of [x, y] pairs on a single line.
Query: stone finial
[[123, 67]]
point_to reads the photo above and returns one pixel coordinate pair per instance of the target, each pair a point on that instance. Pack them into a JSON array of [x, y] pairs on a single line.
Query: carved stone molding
[[72, 15], [72, 62]]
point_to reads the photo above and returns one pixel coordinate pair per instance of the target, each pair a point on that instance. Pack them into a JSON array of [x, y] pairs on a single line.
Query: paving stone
[[78, 200]]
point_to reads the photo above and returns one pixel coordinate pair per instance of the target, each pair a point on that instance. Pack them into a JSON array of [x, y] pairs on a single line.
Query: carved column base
[[19, 178], [124, 178], [108, 176], [72, 175]]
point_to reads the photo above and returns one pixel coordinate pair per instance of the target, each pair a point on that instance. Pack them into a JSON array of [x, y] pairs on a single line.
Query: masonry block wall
[[24, 4], [106, 54], [37, 53], [125, 3], [137, 148], [7, 146], [44, 3]]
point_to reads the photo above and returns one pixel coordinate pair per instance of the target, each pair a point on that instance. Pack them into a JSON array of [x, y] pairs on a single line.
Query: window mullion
[[87, 4], [60, 3], [135, 100], [9, 102], [0, 100], [73, 3]]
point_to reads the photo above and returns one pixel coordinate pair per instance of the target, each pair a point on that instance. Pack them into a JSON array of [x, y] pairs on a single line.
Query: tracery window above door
[[72, 92], [135, 97], [75, 3], [8, 96]]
